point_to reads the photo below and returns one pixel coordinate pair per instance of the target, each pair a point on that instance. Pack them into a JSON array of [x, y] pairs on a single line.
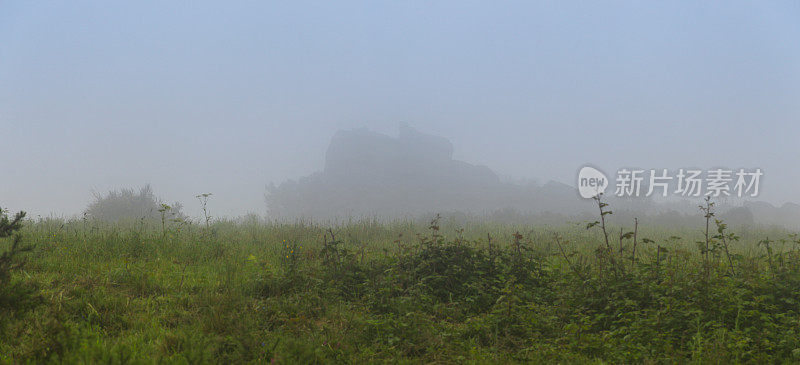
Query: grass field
[[365, 292]]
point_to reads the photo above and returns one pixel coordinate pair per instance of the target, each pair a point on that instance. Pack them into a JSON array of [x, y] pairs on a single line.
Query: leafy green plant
[[708, 213], [725, 237]]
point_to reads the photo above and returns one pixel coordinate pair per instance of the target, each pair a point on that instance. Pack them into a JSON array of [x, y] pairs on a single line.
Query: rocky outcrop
[[372, 174], [369, 174]]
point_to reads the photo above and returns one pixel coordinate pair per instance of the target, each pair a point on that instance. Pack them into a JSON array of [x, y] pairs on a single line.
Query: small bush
[[15, 296], [129, 205]]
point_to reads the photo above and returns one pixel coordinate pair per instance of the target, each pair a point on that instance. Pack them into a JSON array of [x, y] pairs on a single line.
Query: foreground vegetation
[[249, 291]]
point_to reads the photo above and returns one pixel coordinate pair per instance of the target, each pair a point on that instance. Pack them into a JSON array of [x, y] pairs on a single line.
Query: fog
[[396, 109]]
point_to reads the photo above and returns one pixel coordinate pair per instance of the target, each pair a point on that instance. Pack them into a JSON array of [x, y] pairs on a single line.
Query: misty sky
[[225, 97]]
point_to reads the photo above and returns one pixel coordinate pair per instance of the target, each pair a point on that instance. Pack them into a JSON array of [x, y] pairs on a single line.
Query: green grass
[[395, 292]]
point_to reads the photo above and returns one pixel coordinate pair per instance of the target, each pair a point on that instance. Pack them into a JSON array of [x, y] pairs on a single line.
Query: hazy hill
[[369, 174], [372, 174]]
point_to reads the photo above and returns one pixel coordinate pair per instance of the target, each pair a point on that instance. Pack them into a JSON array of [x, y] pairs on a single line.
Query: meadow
[[250, 291]]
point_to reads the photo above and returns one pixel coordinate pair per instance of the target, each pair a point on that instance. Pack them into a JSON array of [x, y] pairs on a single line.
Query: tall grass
[[365, 291]]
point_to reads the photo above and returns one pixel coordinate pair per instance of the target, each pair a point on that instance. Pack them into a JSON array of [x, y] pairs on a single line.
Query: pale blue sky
[[225, 97]]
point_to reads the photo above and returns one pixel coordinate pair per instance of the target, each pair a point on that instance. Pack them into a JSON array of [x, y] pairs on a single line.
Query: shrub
[[9, 228], [13, 295], [129, 205]]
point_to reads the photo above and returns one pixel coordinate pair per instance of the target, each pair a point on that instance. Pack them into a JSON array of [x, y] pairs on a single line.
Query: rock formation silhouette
[[375, 175]]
